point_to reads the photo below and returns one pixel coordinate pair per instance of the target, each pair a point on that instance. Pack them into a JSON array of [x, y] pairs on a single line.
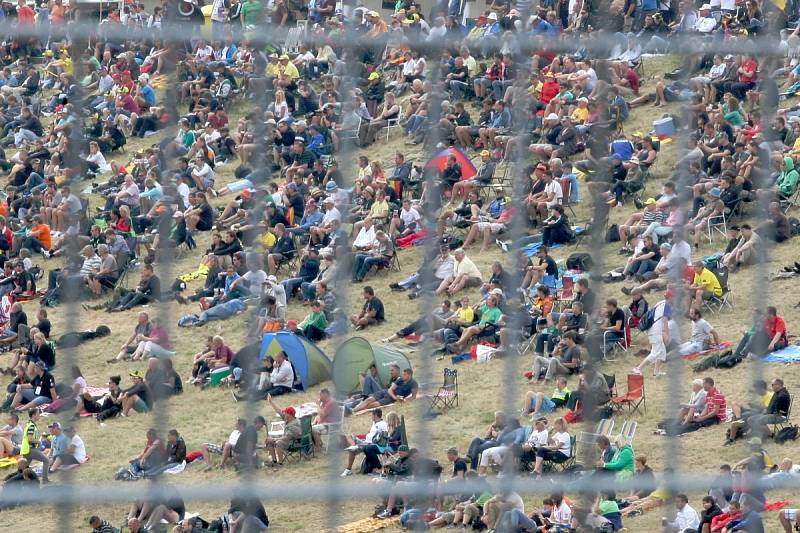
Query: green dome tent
[[356, 355]]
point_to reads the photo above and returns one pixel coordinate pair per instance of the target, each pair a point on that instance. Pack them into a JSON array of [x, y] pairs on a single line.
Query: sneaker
[[626, 290], [636, 371], [348, 472], [386, 513]]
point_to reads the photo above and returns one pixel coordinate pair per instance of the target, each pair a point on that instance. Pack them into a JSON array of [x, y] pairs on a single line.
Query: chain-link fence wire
[[332, 489]]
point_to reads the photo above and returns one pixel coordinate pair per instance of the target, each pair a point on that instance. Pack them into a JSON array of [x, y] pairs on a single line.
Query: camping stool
[[216, 376]]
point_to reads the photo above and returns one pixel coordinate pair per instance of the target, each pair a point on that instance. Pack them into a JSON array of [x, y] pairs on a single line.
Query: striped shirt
[[716, 398]]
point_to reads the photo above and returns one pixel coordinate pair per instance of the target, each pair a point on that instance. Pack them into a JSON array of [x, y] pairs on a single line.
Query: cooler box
[[219, 374], [664, 127]]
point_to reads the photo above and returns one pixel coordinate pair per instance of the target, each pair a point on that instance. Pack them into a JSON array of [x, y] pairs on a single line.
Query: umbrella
[[439, 161]]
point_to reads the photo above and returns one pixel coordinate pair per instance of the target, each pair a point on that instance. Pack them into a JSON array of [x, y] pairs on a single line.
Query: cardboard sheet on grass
[[790, 354], [356, 355]]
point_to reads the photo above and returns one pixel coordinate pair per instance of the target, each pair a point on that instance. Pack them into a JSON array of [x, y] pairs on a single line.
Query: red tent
[[439, 161]]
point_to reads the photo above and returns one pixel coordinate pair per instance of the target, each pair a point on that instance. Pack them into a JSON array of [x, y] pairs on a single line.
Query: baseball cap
[[551, 116], [650, 201], [485, 153], [498, 187], [374, 76], [616, 157], [54, 425], [541, 166], [247, 193], [496, 291], [327, 200], [136, 374], [291, 324], [40, 364], [706, 7], [272, 279], [290, 411], [715, 192], [492, 16]]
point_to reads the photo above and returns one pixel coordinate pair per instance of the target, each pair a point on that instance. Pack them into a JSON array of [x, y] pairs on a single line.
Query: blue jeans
[[290, 285], [574, 189], [415, 122], [309, 290], [514, 520], [459, 89], [640, 268], [364, 262]]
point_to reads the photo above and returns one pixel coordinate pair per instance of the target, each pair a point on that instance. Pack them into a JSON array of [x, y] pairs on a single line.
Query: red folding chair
[[566, 293], [633, 397]]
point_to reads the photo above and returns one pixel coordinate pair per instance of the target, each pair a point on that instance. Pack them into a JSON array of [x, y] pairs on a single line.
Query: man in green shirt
[[490, 319], [314, 324], [251, 13]]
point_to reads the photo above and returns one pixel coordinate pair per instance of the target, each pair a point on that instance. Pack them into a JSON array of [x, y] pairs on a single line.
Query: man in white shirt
[[365, 240], [282, 376], [276, 290], [379, 427], [406, 221], [705, 22], [658, 335], [332, 215], [465, 274], [686, 518]]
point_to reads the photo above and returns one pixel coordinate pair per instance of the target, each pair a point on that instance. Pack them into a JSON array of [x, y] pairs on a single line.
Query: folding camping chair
[[716, 304], [628, 431], [304, 446], [633, 397], [447, 395]]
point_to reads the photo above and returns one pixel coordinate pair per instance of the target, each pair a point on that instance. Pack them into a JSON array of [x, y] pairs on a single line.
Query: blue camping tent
[[311, 365]]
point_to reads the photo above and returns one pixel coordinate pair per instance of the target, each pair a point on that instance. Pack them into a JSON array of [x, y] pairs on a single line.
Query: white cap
[[706, 7], [551, 116], [492, 16], [272, 279]]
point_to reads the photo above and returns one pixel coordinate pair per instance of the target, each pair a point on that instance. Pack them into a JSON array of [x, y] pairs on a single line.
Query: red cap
[[541, 166], [291, 324], [669, 294], [247, 193], [290, 411]]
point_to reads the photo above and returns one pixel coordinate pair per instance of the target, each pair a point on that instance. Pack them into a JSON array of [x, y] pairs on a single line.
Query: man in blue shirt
[[146, 96], [501, 119]]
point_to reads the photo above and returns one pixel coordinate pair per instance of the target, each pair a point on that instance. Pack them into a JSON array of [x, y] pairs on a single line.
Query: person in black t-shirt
[[546, 266], [371, 313], [200, 217], [459, 465], [149, 289], [43, 323], [614, 328], [247, 514], [39, 391], [136, 397]]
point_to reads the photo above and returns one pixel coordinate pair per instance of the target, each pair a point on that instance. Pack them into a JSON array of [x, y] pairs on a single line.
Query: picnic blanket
[[365, 525], [718, 347], [532, 248], [790, 354]]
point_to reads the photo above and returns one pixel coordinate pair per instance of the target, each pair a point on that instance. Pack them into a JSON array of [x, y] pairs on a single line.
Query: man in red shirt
[[714, 412], [25, 14], [776, 330], [748, 74]]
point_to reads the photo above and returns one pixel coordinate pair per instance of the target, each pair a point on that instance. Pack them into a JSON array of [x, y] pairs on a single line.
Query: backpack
[[612, 235], [786, 434], [794, 226], [648, 319], [580, 261]]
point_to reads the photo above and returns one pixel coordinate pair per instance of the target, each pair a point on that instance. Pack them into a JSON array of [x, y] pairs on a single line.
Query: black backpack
[[786, 434], [612, 235], [794, 225], [579, 261]]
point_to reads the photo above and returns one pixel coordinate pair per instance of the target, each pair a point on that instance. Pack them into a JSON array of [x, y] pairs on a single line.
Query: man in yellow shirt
[[581, 113], [287, 73], [272, 71], [705, 284]]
